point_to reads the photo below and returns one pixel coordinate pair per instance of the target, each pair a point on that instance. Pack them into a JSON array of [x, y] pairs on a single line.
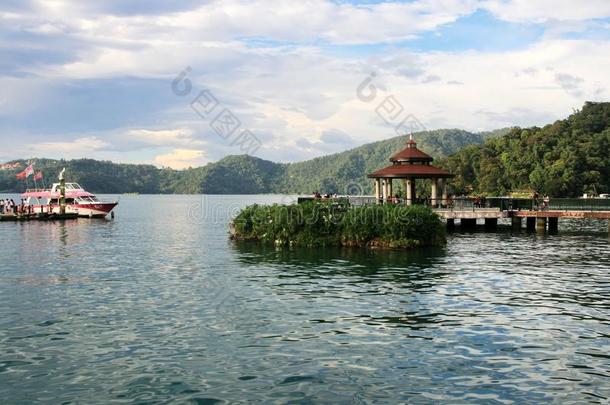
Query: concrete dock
[[535, 219]]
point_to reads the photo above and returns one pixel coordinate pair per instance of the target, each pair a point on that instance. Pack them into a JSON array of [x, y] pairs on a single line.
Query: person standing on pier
[[1, 207]]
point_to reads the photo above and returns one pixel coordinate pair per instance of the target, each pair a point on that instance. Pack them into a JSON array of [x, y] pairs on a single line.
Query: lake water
[[158, 306]]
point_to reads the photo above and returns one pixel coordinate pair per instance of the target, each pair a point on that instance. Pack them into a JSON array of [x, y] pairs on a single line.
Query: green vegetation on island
[[320, 223]]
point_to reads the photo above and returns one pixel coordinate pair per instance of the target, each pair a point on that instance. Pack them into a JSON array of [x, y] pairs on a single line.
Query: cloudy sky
[[301, 78]]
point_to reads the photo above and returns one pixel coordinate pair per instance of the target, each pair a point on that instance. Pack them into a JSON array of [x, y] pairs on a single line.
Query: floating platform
[[37, 217]]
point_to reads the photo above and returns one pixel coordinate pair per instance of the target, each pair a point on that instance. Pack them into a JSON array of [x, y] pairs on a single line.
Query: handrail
[[37, 190]]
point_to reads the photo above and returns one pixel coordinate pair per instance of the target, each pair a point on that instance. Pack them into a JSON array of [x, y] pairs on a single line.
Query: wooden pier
[[468, 211], [535, 219]]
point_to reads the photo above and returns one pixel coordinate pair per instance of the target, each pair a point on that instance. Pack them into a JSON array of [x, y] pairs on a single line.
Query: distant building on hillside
[[10, 166]]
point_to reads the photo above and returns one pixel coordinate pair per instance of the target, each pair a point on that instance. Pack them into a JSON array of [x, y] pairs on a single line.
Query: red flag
[[29, 171], [21, 176], [38, 176]]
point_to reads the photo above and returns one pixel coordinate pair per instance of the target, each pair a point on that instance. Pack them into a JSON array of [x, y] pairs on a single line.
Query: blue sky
[[94, 79]]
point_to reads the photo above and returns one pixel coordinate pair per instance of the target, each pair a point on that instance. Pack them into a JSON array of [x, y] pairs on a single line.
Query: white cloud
[[165, 137], [541, 11], [80, 147], [292, 93], [181, 158]]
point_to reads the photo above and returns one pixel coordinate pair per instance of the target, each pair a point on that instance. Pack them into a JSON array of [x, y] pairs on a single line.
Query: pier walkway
[[537, 216]]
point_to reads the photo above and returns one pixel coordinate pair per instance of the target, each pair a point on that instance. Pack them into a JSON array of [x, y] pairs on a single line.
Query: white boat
[[78, 201]]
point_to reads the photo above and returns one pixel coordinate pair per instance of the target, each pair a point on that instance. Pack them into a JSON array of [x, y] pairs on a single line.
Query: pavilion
[[409, 165]]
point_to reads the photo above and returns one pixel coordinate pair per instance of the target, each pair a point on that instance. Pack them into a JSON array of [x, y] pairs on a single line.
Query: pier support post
[[516, 222], [540, 224], [530, 223], [491, 223], [451, 223], [553, 224], [468, 223]]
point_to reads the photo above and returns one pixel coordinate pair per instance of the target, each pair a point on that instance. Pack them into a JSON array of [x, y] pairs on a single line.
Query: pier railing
[[496, 203]]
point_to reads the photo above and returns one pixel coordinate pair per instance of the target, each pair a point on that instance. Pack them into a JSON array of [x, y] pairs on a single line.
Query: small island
[[335, 223]]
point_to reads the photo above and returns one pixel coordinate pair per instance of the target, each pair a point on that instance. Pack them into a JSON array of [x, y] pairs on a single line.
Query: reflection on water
[[158, 306]]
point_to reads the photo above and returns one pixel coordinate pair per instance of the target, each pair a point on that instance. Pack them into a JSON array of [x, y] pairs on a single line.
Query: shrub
[[323, 223]]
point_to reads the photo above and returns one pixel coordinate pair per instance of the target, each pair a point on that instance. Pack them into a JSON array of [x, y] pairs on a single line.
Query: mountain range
[[341, 173], [566, 158]]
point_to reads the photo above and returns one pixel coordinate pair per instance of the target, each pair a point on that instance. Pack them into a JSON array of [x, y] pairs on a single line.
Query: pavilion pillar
[[377, 191], [384, 186], [434, 193], [445, 194], [413, 192], [409, 188], [390, 192]]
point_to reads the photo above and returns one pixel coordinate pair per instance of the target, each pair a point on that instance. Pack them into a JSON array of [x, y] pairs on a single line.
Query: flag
[[20, 176], [38, 176], [29, 171]]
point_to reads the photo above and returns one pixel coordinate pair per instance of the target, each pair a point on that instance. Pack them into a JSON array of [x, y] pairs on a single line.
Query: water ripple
[[161, 308]]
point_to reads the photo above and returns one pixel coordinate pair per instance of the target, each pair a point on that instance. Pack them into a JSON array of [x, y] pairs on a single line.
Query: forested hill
[[340, 173], [564, 159]]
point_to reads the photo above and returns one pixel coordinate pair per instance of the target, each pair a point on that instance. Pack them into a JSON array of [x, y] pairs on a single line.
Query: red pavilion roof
[[411, 163], [411, 170], [412, 154]]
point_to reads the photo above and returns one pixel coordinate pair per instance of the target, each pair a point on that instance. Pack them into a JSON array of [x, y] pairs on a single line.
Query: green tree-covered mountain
[[341, 172], [564, 159]]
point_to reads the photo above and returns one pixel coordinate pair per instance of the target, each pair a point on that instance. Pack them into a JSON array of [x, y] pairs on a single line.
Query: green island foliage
[[564, 159], [326, 223], [340, 173]]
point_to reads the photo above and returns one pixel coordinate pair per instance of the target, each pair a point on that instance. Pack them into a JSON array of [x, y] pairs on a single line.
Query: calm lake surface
[[158, 306]]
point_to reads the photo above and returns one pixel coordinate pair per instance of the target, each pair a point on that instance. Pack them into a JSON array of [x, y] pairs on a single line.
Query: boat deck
[[37, 217]]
